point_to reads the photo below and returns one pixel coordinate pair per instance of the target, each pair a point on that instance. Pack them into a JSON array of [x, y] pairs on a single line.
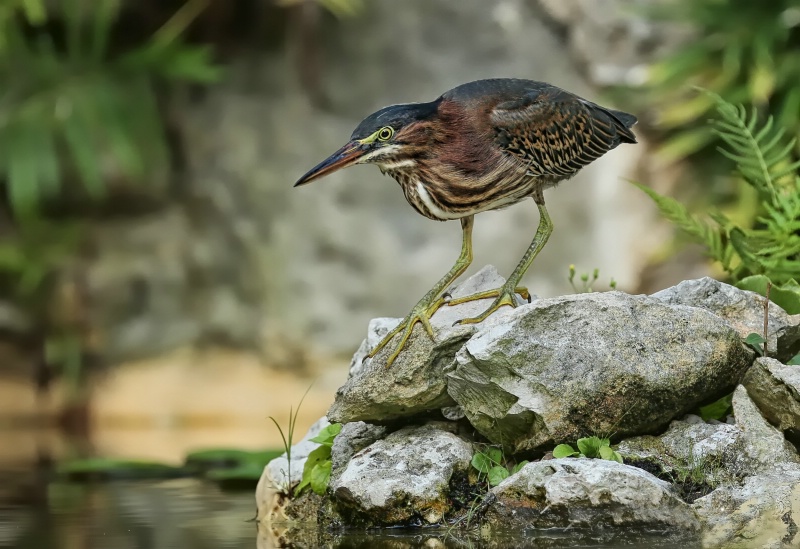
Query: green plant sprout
[[589, 447], [492, 463], [288, 437], [317, 470], [587, 284], [756, 342]]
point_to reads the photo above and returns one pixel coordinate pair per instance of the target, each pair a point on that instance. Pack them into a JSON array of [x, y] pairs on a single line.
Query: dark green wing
[[555, 133]]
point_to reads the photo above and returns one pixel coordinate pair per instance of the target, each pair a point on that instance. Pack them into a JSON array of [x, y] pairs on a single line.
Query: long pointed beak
[[344, 157]]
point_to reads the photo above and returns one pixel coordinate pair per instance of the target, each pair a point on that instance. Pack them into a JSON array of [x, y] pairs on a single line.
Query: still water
[[193, 514]]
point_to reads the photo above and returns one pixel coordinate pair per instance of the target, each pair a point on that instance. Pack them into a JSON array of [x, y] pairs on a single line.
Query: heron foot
[[422, 313], [523, 293], [504, 296]]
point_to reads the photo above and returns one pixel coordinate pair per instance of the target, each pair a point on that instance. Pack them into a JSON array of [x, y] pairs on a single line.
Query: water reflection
[[148, 515], [192, 514]]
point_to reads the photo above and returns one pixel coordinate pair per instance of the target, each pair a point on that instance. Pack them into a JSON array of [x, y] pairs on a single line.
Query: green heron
[[481, 146]]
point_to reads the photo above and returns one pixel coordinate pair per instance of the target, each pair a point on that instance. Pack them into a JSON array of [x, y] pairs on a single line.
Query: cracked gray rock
[[775, 388], [763, 512], [588, 493], [725, 453], [403, 476], [414, 383], [742, 309], [353, 438], [562, 368]]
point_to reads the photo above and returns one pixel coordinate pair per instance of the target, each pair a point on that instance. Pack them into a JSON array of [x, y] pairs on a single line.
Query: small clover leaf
[[497, 475], [563, 451]]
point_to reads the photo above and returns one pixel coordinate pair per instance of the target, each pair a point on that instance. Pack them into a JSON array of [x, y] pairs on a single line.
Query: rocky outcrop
[[588, 493], [449, 425], [743, 310], [552, 370], [775, 387], [572, 366], [763, 512], [353, 438], [405, 475], [414, 383], [714, 453]]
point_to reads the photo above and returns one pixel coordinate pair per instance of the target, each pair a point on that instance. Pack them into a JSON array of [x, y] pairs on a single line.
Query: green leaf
[[78, 137], [564, 450], [497, 475], [590, 446], [787, 295], [320, 476], [794, 361], [754, 339], [519, 466], [326, 435], [608, 453], [315, 457], [90, 469], [684, 144], [496, 455], [718, 409], [481, 462]]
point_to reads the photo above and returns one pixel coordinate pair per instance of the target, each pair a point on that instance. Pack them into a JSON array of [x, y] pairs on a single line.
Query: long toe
[[523, 293], [506, 297]]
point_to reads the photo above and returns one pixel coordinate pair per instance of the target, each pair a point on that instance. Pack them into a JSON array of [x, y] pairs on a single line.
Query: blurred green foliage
[[230, 468], [77, 108], [84, 90], [744, 50], [340, 8], [769, 248]]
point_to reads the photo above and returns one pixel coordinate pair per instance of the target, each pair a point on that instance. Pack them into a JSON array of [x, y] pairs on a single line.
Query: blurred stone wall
[[301, 271]]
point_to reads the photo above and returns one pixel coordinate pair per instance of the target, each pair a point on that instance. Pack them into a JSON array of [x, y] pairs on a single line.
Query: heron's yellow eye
[[385, 133]]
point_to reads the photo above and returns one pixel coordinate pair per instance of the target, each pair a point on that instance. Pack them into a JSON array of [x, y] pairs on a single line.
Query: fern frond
[[761, 154], [713, 238]]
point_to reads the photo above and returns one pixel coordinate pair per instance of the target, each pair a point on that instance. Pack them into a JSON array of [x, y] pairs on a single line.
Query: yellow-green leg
[[430, 303], [505, 294]]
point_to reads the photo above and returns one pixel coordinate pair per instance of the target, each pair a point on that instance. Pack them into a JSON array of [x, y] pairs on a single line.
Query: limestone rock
[[353, 438], [763, 512], [404, 476], [742, 309], [763, 445], [714, 453], [566, 367], [775, 388], [414, 383], [587, 493]]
